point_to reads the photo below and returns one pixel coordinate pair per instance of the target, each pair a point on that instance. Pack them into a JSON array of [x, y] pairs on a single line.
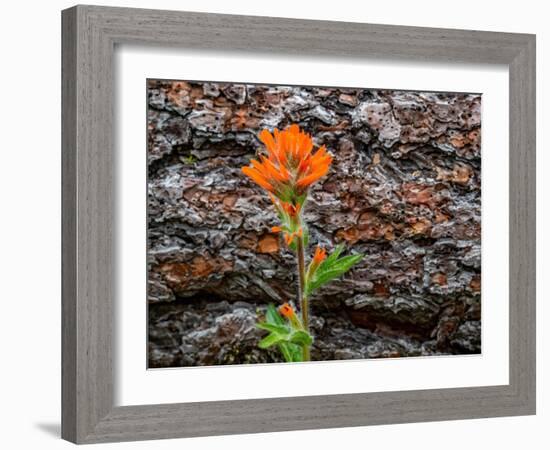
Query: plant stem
[[304, 304]]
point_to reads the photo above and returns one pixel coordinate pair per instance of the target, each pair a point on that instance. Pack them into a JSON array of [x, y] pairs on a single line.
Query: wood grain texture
[[523, 224], [88, 206], [68, 225], [89, 36]]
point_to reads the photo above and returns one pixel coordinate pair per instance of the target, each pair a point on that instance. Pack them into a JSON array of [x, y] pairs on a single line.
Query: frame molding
[[90, 34]]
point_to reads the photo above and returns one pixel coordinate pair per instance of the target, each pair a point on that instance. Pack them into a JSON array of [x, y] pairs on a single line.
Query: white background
[[136, 386], [30, 229]]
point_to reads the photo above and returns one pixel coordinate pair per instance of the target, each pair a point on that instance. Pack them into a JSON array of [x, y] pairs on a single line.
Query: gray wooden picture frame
[[90, 34]]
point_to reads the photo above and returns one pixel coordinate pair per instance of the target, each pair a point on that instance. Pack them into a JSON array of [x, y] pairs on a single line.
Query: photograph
[[260, 225], [309, 223]]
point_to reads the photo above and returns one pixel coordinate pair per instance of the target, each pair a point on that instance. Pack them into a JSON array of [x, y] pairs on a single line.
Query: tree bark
[[404, 189]]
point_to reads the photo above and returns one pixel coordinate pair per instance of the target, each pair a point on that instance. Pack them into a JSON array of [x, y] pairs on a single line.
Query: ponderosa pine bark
[[405, 190]]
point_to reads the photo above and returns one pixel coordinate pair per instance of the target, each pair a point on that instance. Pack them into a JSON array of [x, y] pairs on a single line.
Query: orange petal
[[290, 209], [281, 157], [327, 159], [325, 162], [276, 229], [282, 143], [284, 172], [260, 168], [257, 177], [306, 145], [288, 238], [293, 129], [319, 154], [304, 165], [306, 181], [267, 138], [286, 310], [320, 255], [274, 171]]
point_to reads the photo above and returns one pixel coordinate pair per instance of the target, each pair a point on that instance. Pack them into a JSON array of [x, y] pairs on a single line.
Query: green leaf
[[333, 257], [301, 338], [291, 352], [346, 262], [285, 350], [296, 352], [321, 279], [281, 329], [272, 315], [269, 340], [331, 268], [328, 275]]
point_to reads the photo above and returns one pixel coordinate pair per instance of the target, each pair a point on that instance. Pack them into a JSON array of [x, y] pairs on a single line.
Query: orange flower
[[319, 256], [287, 310], [290, 167]]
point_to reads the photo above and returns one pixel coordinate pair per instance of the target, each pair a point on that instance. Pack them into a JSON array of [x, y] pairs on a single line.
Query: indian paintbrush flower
[[290, 167], [287, 311], [287, 172], [318, 257]]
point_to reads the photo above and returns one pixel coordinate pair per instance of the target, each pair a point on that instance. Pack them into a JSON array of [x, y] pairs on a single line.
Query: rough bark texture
[[404, 189]]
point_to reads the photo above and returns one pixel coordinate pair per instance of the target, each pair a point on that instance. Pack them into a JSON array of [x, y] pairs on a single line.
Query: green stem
[[304, 304]]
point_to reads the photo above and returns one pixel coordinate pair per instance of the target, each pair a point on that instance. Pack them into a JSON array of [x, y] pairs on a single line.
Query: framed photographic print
[[288, 224]]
